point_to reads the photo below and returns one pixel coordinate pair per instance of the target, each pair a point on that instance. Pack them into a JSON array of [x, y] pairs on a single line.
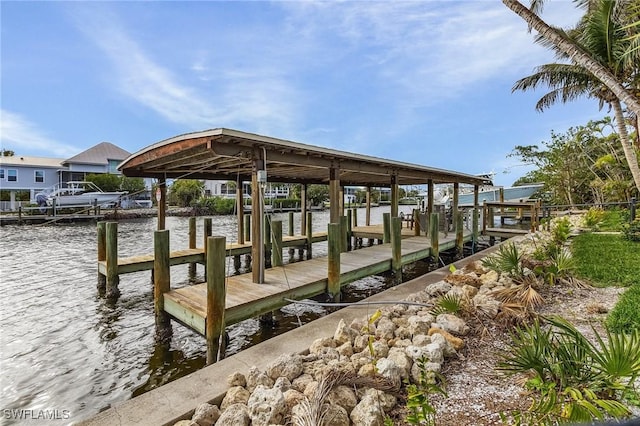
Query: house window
[[1, 174], [39, 176], [12, 175], [113, 166]]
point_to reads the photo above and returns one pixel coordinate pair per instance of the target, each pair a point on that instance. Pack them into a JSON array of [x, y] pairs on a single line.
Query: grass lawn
[[609, 260]]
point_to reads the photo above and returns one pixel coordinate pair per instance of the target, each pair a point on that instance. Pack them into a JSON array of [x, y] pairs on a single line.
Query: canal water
[[68, 353]]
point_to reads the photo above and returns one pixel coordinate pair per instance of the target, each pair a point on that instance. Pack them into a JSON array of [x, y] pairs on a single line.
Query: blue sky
[[427, 82]]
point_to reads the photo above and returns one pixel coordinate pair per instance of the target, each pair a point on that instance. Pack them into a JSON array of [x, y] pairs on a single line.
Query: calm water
[[62, 347]]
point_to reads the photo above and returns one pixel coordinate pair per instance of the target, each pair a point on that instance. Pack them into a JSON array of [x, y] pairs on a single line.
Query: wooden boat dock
[[294, 281]]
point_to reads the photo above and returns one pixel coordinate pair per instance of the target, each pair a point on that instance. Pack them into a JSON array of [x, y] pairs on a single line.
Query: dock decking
[[299, 280]]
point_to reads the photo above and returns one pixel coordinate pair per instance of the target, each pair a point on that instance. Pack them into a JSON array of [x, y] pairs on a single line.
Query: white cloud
[[22, 136], [227, 100]]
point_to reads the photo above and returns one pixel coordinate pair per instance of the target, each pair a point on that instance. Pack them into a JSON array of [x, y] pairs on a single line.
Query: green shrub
[[631, 231], [594, 217], [573, 380], [561, 230], [214, 206], [421, 411]]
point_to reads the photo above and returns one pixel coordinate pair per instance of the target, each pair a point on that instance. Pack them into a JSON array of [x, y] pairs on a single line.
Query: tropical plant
[[421, 410], [448, 304], [573, 379], [572, 49], [598, 50], [506, 260], [106, 181], [561, 230]]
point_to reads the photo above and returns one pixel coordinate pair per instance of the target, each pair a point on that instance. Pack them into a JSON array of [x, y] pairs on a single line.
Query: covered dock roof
[[227, 154]]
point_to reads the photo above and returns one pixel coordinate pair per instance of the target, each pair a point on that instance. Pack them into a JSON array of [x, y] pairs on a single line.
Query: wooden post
[[394, 195], [454, 205], [240, 211], [459, 235], [162, 202], [343, 234], [290, 224], [303, 208], [309, 232], [386, 227], [396, 247], [434, 221], [415, 216], [292, 250], [20, 215], [247, 227], [474, 222], [334, 195], [257, 220], [349, 230], [430, 190], [267, 241], [216, 295], [192, 243], [333, 273], [276, 251], [102, 255], [490, 216], [206, 234], [367, 219], [112, 260], [485, 216], [161, 282]]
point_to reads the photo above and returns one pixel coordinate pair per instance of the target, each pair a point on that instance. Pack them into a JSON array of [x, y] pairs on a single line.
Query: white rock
[[235, 395], [452, 324], [438, 289], [401, 359], [206, 414], [368, 412], [301, 382], [335, 415], [318, 344], [237, 379], [266, 406], [257, 377], [420, 324], [385, 329], [344, 334], [234, 415], [388, 369], [344, 396], [286, 365]]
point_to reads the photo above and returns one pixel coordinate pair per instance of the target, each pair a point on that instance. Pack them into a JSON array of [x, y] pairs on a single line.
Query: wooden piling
[[292, 250], [309, 232], [247, 227], [112, 260], [102, 254], [333, 262], [396, 246], [276, 251], [216, 294], [459, 234], [267, 240], [434, 221], [415, 215], [161, 282], [343, 234], [386, 227], [192, 243], [349, 230], [208, 229]]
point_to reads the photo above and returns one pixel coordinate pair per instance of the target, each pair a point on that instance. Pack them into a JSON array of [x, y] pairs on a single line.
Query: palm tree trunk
[[577, 54], [627, 145]]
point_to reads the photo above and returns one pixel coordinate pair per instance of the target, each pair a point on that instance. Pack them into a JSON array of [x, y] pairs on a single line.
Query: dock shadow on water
[[63, 347]]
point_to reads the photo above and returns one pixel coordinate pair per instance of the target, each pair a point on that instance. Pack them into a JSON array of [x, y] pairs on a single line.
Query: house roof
[[226, 154], [26, 161], [99, 154]]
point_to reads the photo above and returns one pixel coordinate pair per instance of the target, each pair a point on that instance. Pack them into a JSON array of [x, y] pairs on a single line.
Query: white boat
[[443, 195], [77, 193]]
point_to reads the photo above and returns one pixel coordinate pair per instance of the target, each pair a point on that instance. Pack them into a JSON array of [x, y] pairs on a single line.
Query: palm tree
[[577, 54], [602, 36]]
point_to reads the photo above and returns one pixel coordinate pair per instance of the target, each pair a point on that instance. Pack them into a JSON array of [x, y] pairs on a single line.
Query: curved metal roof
[[226, 154]]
